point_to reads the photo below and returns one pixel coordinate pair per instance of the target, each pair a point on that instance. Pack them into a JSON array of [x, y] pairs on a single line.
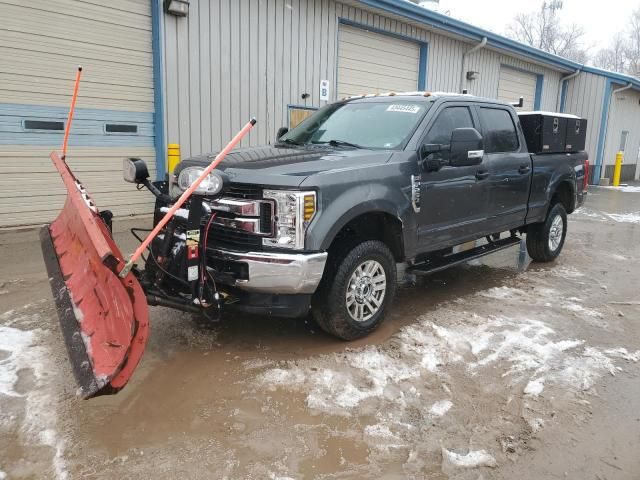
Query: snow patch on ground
[[586, 212], [624, 354], [16, 343], [27, 353], [525, 349], [567, 272], [438, 409], [472, 459], [502, 293], [534, 387], [625, 188], [633, 217], [582, 310]]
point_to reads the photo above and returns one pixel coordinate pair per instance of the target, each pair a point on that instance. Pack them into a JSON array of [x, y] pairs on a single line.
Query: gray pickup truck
[[318, 221]]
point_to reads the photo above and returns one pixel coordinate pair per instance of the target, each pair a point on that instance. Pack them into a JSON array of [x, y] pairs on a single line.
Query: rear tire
[[546, 239], [353, 298]]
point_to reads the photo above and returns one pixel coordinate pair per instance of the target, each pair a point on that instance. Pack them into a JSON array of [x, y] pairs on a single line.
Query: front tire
[[353, 298], [546, 239]]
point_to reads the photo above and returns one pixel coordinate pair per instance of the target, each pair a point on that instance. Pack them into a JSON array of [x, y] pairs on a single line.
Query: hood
[[288, 166]]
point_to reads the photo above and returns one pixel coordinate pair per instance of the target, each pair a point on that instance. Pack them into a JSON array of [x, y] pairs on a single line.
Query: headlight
[[134, 170], [294, 212], [211, 185]]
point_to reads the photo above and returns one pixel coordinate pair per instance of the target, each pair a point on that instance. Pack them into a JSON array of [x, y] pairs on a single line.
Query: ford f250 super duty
[[317, 222]]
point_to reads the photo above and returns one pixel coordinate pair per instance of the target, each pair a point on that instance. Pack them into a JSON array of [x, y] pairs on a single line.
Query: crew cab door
[[454, 199], [510, 166]]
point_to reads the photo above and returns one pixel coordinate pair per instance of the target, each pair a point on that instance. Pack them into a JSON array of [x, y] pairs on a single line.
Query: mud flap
[[104, 318]]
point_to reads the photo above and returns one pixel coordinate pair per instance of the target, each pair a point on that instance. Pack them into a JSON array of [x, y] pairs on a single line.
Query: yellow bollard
[[617, 169], [173, 156]]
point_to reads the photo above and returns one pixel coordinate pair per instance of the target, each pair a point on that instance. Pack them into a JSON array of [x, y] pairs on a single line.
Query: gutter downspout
[[562, 80], [600, 161], [622, 89], [463, 73]]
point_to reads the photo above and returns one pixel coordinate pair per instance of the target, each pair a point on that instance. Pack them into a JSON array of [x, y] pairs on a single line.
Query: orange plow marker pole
[[71, 109], [183, 198]]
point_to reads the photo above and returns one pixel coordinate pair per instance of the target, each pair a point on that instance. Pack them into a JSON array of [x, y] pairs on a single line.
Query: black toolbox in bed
[[550, 132]]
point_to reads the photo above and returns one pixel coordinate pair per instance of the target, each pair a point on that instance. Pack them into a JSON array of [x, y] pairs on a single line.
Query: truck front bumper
[[270, 272]]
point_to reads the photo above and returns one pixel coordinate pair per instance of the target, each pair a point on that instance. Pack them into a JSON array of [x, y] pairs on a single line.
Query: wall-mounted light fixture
[[179, 8], [471, 75]]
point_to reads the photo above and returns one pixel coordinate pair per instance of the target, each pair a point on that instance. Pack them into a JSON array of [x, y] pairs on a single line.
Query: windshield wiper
[[340, 143]]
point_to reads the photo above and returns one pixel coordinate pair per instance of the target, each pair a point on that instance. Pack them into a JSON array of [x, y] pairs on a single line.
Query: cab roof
[[424, 95]]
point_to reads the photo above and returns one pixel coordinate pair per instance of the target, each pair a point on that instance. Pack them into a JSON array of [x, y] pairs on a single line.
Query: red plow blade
[[104, 318]]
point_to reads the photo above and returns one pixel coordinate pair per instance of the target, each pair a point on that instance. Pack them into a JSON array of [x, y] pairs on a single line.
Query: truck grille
[[231, 239], [239, 190], [227, 229], [266, 217]]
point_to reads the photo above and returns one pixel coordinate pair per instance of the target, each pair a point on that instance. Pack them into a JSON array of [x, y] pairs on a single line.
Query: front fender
[[358, 200]]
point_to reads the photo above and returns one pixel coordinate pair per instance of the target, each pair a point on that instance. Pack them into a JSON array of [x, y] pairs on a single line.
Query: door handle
[[482, 174], [524, 169]]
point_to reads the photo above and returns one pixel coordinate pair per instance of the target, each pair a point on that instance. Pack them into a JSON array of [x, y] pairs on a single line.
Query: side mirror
[[466, 147], [281, 132]]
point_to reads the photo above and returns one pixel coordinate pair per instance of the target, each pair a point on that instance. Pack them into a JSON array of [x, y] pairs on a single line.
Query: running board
[[446, 261]]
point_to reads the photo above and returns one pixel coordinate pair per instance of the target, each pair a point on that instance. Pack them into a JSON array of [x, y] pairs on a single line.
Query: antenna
[[71, 109]]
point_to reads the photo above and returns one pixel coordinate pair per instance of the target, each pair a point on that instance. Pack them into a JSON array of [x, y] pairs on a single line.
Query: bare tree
[[614, 57], [633, 46], [623, 54], [544, 30]]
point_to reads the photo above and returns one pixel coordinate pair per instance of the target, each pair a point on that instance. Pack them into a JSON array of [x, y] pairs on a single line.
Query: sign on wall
[[324, 90]]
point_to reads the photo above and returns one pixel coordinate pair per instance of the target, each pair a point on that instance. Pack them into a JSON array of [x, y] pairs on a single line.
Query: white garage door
[[371, 62], [514, 84], [41, 44]]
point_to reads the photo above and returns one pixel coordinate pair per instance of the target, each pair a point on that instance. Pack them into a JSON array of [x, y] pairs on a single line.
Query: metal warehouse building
[[152, 77]]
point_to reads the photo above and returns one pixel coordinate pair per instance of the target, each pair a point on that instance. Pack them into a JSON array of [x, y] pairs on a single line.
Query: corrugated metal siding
[[233, 58], [369, 62], [584, 98], [41, 43], [32, 192], [514, 84], [624, 114]]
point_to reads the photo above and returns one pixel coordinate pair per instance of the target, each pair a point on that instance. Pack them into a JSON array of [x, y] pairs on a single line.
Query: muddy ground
[[498, 369]]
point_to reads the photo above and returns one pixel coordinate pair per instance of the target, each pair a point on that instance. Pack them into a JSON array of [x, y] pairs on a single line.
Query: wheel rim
[[366, 290], [555, 233]]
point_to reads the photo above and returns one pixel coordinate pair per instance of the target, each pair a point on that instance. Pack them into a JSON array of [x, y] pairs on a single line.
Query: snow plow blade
[[104, 318]]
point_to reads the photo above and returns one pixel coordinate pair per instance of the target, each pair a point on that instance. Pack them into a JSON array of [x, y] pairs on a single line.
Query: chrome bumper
[[278, 273]]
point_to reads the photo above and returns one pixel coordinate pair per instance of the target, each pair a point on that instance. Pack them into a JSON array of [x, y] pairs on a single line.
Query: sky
[[600, 24]]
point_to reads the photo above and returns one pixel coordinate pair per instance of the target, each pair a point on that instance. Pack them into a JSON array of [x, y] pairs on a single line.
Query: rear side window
[[499, 130]]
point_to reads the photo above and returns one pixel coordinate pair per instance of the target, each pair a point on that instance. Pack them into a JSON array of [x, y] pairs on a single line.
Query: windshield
[[378, 125]]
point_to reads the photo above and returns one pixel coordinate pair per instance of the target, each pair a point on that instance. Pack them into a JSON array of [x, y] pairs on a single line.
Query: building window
[[48, 125], [121, 128]]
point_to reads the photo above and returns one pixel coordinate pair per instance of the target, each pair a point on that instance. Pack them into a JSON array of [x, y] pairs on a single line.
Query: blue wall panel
[[88, 128]]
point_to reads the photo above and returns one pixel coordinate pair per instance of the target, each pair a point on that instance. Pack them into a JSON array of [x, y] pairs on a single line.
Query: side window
[[499, 130], [448, 119]]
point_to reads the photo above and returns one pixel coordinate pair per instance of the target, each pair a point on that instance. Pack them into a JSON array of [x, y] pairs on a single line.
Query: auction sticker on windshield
[[404, 108]]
